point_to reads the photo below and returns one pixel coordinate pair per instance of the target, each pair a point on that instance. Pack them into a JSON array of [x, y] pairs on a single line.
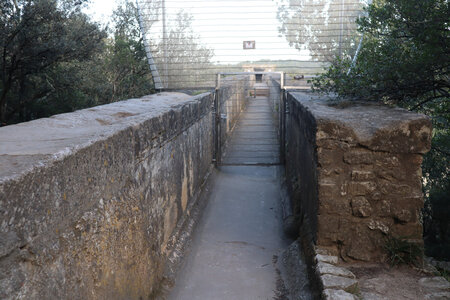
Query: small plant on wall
[[401, 251]]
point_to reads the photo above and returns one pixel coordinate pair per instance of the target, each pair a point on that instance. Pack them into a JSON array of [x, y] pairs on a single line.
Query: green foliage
[[125, 60], [401, 251], [404, 58], [323, 27], [55, 60], [36, 36], [444, 273], [437, 223]]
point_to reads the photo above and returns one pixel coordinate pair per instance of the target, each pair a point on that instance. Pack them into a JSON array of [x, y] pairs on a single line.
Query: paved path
[[239, 238]]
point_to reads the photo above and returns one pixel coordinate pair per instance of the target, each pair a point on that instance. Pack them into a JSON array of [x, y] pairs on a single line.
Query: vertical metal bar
[[164, 28], [359, 46], [215, 132], [153, 69], [341, 33], [218, 81], [282, 127], [217, 124]]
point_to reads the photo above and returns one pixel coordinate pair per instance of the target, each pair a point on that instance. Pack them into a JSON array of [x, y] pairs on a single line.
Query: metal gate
[[248, 118]]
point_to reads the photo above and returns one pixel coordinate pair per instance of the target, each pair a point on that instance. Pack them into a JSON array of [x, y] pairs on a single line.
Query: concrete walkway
[[239, 239]]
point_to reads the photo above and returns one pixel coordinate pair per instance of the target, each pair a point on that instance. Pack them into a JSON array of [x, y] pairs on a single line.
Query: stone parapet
[[90, 199], [233, 97], [355, 173]]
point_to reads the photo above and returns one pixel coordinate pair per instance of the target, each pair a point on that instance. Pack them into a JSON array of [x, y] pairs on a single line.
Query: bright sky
[[101, 10], [223, 26]]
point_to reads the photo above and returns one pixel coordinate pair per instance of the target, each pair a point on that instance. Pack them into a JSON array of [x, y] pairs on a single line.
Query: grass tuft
[[401, 251]]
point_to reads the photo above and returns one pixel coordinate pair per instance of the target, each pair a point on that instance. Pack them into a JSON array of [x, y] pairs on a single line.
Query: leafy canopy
[[404, 58]]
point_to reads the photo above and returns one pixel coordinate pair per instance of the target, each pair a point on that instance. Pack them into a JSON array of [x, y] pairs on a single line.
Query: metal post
[[217, 124], [153, 69], [341, 33], [359, 47], [166, 69], [282, 126]]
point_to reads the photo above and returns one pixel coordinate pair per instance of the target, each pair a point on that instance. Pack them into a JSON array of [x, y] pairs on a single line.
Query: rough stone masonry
[[355, 174], [88, 200], [93, 202]]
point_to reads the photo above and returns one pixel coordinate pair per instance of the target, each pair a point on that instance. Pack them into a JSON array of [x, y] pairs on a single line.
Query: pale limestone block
[[330, 294], [338, 282], [325, 268]]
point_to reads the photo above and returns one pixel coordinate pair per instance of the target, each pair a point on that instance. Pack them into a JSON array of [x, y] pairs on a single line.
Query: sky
[[223, 25], [101, 10]]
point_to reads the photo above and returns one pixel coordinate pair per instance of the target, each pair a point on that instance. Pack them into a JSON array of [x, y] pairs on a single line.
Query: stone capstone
[[338, 282], [372, 296], [435, 284], [325, 268], [438, 296], [330, 294], [327, 259]]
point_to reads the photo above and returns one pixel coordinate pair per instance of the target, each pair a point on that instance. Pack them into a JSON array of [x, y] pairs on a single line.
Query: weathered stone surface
[[338, 282], [378, 285], [294, 271], [378, 225], [438, 296], [435, 284], [361, 207], [360, 156], [372, 296], [445, 265], [361, 245], [327, 259], [355, 163], [378, 128], [403, 215], [358, 175], [361, 188], [325, 268], [90, 199], [331, 294]]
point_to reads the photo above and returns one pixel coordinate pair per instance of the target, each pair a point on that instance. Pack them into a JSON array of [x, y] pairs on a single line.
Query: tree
[[34, 37], [125, 63], [404, 58], [186, 58], [405, 61], [324, 27]]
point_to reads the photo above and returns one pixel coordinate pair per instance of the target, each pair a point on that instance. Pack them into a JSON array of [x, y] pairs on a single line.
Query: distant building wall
[[354, 173]]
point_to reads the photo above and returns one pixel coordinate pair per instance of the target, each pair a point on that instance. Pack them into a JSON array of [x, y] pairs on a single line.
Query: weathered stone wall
[[275, 92], [89, 200], [233, 94], [232, 98], [355, 173]]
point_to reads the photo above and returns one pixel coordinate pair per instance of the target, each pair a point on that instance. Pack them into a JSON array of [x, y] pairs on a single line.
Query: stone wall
[[233, 94], [89, 200], [273, 81], [232, 100], [354, 173]]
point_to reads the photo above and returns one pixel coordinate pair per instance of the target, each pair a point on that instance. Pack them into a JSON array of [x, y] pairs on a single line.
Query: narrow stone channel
[[239, 241]]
